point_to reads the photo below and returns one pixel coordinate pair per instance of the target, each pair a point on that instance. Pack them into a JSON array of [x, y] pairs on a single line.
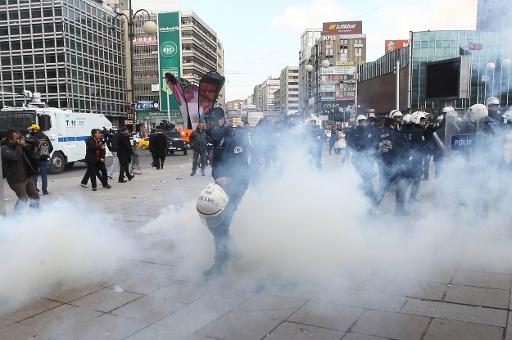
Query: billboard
[[391, 45], [169, 55], [347, 70], [448, 79], [343, 27]]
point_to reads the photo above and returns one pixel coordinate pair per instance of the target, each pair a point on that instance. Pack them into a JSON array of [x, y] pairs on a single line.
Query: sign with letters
[[461, 142]]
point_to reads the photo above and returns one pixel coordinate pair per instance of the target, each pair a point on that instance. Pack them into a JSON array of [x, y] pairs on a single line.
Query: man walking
[[95, 160], [42, 148], [158, 145], [19, 167], [124, 154], [199, 140]]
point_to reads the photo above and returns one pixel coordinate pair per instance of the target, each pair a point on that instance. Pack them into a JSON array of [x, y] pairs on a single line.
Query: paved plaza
[[161, 297]]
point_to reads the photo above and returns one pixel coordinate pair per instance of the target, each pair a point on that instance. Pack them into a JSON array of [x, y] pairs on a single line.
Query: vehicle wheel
[[185, 152], [69, 165], [57, 163]]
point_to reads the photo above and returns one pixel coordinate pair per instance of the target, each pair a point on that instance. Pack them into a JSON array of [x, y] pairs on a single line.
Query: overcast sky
[[262, 37]]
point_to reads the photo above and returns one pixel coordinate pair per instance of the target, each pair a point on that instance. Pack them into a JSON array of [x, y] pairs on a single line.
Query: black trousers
[[159, 160], [124, 169], [199, 156], [95, 170]]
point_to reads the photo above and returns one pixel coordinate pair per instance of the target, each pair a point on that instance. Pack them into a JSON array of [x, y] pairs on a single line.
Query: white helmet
[[407, 118], [417, 116], [211, 204], [447, 109], [477, 112], [361, 117], [395, 114], [492, 101]]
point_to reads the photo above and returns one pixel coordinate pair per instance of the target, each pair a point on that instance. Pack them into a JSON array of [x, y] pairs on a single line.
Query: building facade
[[308, 39], [494, 16], [289, 90], [257, 97], [268, 89], [71, 52], [488, 55], [334, 59]]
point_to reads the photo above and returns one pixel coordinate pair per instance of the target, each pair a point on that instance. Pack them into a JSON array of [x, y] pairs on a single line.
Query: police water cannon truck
[[67, 130]]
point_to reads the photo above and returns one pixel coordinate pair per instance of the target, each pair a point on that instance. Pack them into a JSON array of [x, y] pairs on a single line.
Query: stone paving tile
[[225, 299], [442, 310], [105, 300], [184, 292], [31, 310], [75, 293], [148, 309], [103, 327], [391, 325], [508, 334], [294, 331], [482, 279], [59, 318], [234, 326], [270, 306], [5, 323], [416, 289], [365, 299], [147, 283], [450, 329], [327, 315], [354, 336], [181, 324], [441, 275], [18, 331], [488, 297]]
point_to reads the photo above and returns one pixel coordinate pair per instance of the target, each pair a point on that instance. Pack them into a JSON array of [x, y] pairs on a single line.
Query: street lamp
[[326, 63], [507, 62], [149, 28], [490, 67]]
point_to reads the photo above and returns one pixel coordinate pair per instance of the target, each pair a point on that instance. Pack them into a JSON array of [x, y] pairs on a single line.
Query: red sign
[[391, 45], [343, 27], [474, 46]]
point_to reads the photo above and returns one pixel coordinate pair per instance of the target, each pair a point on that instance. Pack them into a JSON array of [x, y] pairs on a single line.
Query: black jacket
[[230, 154], [43, 147], [112, 142], [94, 151], [158, 144], [199, 140], [17, 163], [124, 148]]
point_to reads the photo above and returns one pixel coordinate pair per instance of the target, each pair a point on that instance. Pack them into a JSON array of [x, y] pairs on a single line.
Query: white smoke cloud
[[58, 247]]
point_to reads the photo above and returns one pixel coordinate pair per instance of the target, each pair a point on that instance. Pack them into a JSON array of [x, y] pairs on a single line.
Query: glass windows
[[37, 28], [13, 15], [40, 75], [4, 30], [61, 57], [48, 27], [51, 73], [38, 43], [15, 45], [49, 43], [14, 29], [58, 11], [29, 74], [58, 27], [3, 15], [39, 59], [26, 44], [36, 12], [50, 58], [25, 29], [5, 61], [24, 14], [28, 59], [47, 12], [7, 75]]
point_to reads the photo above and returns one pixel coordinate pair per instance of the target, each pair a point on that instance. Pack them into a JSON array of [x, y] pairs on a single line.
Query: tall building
[[307, 41], [476, 50], [494, 16], [202, 52], [289, 90], [71, 52], [268, 89], [257, 97], [334, 58]]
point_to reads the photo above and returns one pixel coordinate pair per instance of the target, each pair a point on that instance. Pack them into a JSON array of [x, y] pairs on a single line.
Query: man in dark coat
[[19, 168], [158, 145], [199, 140], [151, 147], [43, 148], [124, 154], [95, 150]]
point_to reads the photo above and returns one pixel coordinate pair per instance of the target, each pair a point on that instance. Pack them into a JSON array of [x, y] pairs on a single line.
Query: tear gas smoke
[[56, 248], [310, 226]]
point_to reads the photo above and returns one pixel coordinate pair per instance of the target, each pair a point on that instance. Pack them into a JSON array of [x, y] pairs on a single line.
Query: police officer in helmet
[[230, 169]]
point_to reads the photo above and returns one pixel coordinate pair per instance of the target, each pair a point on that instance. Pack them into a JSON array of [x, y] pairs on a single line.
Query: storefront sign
[[339, 70], [343, 27]]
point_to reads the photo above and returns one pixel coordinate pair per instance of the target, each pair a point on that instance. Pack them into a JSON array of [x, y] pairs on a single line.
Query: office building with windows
[[268, 89], [70, 51], [308, 39], [289, 90]]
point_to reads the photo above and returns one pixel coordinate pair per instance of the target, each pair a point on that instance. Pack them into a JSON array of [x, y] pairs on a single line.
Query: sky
[[261, 37]]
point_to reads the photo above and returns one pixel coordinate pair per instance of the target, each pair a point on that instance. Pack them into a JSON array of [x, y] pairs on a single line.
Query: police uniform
[[361, 141], [230, 159]]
